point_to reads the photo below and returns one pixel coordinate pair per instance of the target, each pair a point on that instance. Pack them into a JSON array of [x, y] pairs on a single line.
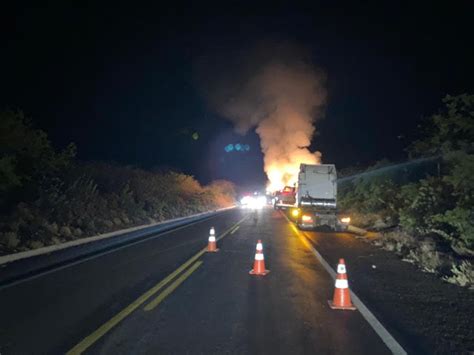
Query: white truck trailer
[[316, 198]]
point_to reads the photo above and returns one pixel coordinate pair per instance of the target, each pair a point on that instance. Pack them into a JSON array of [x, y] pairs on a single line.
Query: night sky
[[120, 80]]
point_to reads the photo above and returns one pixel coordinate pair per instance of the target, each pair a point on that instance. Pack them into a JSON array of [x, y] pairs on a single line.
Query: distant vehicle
[[316, 198], [284, 198], [253, 200]]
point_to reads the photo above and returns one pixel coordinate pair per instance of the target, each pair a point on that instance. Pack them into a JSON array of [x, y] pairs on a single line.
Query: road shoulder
[[426, 313]]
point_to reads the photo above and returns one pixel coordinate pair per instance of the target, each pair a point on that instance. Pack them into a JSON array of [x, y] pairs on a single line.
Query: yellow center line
[[234, 230], [172, 287], [102, 330], [107, 326]]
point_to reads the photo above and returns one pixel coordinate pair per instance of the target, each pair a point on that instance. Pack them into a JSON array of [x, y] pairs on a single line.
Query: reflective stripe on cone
[[212, 245], [259, 261], [342, 295]]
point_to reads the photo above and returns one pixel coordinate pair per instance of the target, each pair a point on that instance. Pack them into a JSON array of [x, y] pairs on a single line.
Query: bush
[[26, 158], [428, 260], [421, 201], [378, 198], [48, 198], [97, 198], [441, 204], [223, 192], [460, 222], [462, 274]]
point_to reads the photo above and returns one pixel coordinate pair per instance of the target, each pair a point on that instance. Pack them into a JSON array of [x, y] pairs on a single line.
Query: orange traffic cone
[[342, 296], [259, 263], [211, 246]]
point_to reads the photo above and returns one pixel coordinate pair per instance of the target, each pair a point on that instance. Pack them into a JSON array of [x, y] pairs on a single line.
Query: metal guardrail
[[400, 173], [25, 264]]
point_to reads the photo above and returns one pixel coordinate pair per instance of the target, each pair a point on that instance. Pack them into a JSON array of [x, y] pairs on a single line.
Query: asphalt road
[[126, 302]]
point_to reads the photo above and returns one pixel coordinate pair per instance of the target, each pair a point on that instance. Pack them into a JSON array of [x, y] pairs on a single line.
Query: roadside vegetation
[[47, 197], [429, 222]]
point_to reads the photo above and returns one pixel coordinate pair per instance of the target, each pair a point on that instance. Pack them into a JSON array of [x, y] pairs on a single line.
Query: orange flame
[[285, 173]]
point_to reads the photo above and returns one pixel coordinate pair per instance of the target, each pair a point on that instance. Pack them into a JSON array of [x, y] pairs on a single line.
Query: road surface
[[165, 295]]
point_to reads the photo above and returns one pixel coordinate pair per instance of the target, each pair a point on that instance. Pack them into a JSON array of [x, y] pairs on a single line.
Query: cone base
[[253, 272], [347, 308], [213, 251]]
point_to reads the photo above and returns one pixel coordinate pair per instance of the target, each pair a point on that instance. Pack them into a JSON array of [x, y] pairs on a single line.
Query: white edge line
[[52, 248], [383, 333]]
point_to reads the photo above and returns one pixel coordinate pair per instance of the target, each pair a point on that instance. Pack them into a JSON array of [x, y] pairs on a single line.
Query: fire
[[281, 97], [281, 176], [285, 173]]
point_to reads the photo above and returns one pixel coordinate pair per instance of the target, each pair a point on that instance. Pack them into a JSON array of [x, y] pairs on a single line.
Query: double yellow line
[[107, 326], [172, 287]]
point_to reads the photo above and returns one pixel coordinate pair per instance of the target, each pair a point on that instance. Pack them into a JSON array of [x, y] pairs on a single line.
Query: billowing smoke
[[280, 95]]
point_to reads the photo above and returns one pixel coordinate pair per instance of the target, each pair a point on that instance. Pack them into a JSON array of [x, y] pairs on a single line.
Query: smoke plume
[[277, 92]]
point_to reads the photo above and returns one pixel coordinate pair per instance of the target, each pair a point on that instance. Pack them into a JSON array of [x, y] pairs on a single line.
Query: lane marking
[[381, 331], [150, 306], [234, 226], [235, 230], [103, 329], [107, 326]]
